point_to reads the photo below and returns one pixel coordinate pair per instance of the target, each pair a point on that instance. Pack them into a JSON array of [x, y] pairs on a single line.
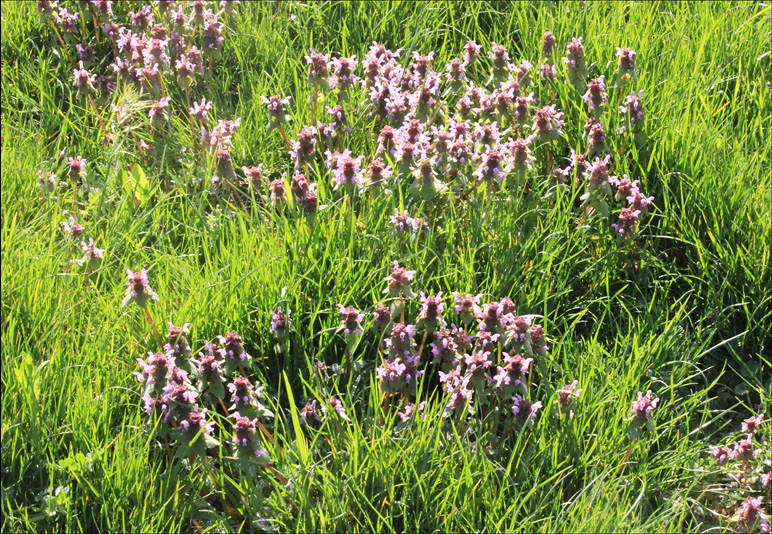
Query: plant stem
[[99, 117], [152, 326], [58, 36], [284, 136]]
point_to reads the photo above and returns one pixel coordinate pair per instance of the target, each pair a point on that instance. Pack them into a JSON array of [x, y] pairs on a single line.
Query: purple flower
[[138, 289], [452, 379], [518, 327], [626, 61], [46, 9], [158, 112], [720, 454], [200, 13], [185, 73], [455, 71], [154, 405], [498, 54], [142, 19], [254, 176], [596, 137], [487, 134], [410, 410], [377, 171], [399, 282], [639, 202], [278, 192], [280, 322], [477, 364], [382, 315], [461, 399], [156, 52], [398, 373], [337, 408], [628, 221], [225, 168], [209, 367], [508, 377], [548, 46], [93, 254], [382, 54], [548, 72], [309, 413], [308, 203], [745, 450], [178, 397], [643, 408], [471, 52], [343, 73], [403, 222], [47, 180], [224, 132], [567, 394], [339, 120], [407, 155], [751, 425], [492, 165], [523, 74], [155, 370], [348, 173], [766, 480], [633, 109], [232, 347], [243, 392], [485, 341], [77, 168], [574, 60], [522, 160], [318, 69], [196, 422], [548, 123], [596, 96], [524, 409], [422, 63], [625, 187], [392, 371], [445, 350], [400, 343], [212, 36], [459, 130], [579, 163], [467, 306], [86, 53], [431, 310], [459, 154], [103, 8], [72, 228], [490, 318], [245, 436], [750, 514], [276, 113], [597, 175], [351, 320], [304, 149], [523, 105]]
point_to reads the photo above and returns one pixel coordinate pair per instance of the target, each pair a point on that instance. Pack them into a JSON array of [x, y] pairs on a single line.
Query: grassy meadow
[[682, 307]]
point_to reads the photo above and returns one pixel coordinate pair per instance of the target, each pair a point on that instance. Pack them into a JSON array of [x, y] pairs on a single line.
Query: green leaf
[[300, 439], [142, 187]]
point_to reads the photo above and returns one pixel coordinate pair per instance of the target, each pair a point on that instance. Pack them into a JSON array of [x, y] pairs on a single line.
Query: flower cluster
[[175, 385], [744, 455]]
